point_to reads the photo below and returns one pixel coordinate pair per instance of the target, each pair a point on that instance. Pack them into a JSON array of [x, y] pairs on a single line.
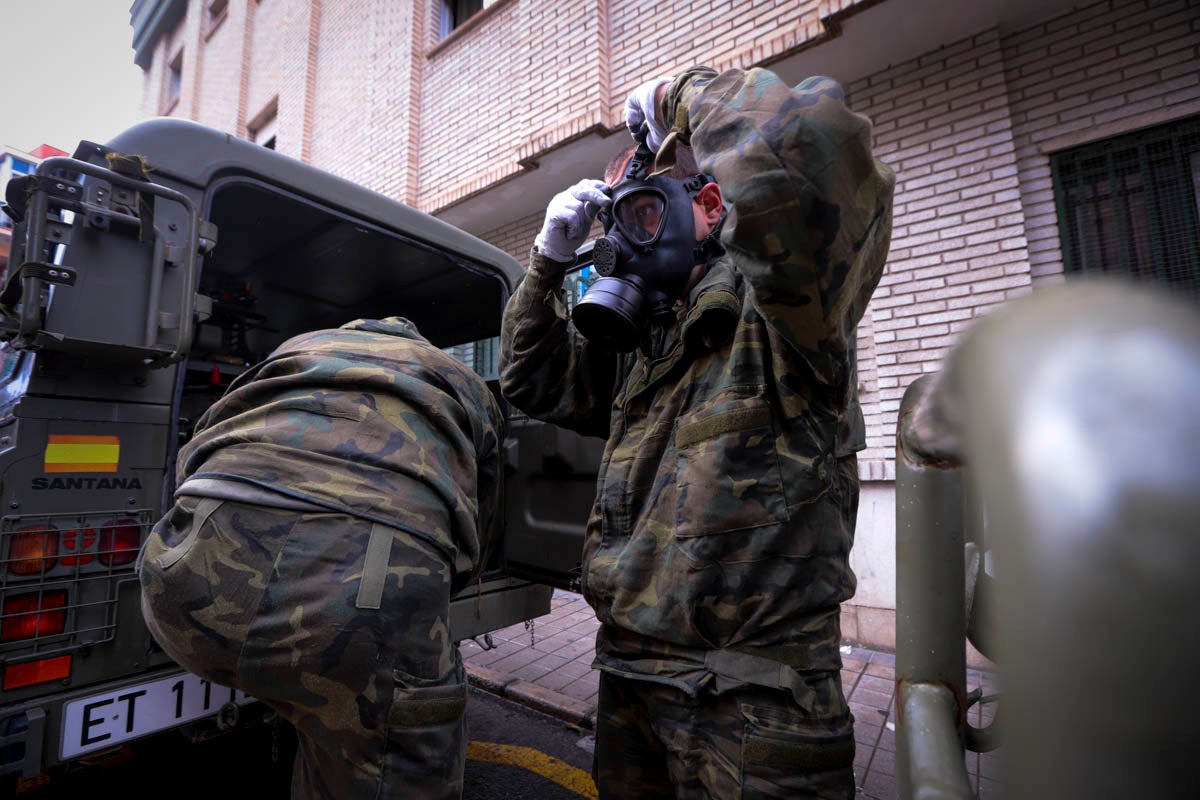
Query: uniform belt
[[743, 668]]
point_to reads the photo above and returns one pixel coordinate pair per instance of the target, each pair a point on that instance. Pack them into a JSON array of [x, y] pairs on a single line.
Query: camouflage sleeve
[[489, 485], [810, 208], [545, 369]]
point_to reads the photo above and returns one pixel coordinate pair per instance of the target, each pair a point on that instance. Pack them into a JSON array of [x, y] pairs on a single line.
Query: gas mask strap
[[642, 158]]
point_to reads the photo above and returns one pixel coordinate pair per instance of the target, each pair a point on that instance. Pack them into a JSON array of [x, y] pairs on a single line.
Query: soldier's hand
[[569, 218], [642, 107]]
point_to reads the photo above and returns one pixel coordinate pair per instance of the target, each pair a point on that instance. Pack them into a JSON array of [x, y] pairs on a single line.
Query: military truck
[[146, 274]]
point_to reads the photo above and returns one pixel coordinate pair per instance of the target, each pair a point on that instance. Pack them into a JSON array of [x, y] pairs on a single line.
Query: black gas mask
[[645, 257]]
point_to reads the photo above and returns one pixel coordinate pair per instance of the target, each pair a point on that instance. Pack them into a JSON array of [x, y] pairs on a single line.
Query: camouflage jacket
[[716, 519], [369, 419]]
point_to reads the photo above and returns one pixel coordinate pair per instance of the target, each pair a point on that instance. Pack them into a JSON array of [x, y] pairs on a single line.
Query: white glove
[[640, 107], [569, 218]]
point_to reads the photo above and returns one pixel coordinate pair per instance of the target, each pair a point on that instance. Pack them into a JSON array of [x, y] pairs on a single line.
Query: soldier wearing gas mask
[[716, 356]]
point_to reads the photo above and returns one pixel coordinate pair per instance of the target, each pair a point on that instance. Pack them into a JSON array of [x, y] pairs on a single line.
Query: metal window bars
[[1131, 206]]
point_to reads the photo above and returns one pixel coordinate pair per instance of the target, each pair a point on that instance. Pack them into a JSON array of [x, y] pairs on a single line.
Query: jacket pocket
[[422, 703], [165, 558], [728, 471]]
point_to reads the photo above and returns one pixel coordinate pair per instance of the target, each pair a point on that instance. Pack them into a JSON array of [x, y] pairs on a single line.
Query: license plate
[[103, 720]]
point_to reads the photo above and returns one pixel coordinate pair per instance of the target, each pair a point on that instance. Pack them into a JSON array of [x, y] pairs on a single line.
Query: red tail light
[[34, 672], [32, 550], [77, 547], [35, 614], [119, 542]]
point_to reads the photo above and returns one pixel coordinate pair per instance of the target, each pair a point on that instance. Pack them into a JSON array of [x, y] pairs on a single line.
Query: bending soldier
[[327, 507], [717, 358]]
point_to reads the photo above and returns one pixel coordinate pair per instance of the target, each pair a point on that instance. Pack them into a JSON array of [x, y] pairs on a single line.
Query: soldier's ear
[[710, 204]]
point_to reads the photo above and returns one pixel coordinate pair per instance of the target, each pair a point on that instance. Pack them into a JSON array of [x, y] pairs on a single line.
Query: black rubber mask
[[646, 255]]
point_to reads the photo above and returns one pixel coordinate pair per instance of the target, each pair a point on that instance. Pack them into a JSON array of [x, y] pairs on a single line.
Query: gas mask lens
[[640, 215]]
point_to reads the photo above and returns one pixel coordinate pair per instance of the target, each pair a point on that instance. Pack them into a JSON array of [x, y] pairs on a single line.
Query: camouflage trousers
[[654, 741], [278, 603]]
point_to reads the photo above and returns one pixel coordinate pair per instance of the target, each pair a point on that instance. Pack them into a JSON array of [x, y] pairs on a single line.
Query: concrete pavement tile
[[585, 688], [887, 740], [885, 671], [884, 761], [533, 673], [878, 786], [551, 661], [868, 714], [502, 650], [580, 647], [516, 660], [556, 680], [536, 669], [551, 627], [853, 664], [866, 697], [866, 734], [576, 669], [880, 657], [877, 684], [552, 643]]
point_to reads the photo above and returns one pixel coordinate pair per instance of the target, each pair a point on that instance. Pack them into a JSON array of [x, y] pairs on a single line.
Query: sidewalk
[[549, 668]]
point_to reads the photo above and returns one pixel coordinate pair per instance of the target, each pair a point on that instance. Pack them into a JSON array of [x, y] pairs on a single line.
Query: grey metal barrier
[[1060, 447]]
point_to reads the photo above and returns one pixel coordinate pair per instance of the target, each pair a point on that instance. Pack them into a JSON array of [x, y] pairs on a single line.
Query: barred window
[[1131, 206]]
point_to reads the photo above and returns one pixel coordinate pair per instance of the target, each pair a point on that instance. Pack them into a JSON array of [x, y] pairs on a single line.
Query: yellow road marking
[[562, 773]]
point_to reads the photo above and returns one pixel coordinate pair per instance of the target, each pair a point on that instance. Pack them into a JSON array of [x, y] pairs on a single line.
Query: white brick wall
[[365, 90], [1109, 69], [958, 242]]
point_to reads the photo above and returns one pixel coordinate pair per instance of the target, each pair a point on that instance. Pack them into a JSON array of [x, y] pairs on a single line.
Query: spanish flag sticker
[[82, 453]]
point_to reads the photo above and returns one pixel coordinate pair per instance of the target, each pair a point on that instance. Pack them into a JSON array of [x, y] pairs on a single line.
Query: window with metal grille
[[1131, 206]]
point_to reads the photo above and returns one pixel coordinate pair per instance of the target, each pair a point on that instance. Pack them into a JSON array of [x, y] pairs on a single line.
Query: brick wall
[[1113, 67], [360, 81], [366, 90], [516, 238], [219, 81], [475, 108], [344, 88], [267, 19], [958, 244]]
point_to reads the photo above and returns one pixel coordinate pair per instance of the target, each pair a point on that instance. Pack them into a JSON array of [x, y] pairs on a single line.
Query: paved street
[[549, 667], [513, 753]]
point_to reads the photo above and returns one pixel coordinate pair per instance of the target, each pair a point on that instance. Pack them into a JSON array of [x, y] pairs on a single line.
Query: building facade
[[1032, 139]]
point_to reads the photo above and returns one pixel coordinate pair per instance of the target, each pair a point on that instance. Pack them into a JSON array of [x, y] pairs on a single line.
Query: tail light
[[32, 550], [26, 616], [77, 547], [34, 672], [119, 542]]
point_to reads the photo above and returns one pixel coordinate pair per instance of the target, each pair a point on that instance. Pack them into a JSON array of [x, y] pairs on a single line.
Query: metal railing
[[1062, 444]]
